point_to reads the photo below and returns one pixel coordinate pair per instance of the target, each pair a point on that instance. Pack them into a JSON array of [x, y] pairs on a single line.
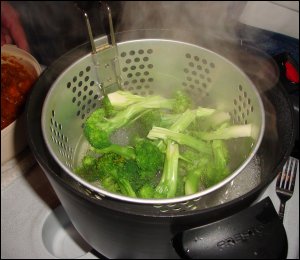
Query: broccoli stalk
[[225, 133], [122, 99], [183, 121], [183, 139], [168, 182]]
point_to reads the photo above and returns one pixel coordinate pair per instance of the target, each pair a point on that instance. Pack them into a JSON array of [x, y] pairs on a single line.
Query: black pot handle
[[254, 233], [289, 78]]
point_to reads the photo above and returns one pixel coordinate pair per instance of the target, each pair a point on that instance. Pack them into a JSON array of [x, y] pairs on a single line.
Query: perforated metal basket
[[150, 66]]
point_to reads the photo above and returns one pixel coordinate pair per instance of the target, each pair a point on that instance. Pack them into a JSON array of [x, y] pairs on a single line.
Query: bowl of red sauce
[[19, 71]]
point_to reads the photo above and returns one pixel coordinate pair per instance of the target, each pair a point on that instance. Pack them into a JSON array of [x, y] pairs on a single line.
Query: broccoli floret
[[168, 183], [148, 120], [182, 102], [146, 192], [88, 169], [120, 171], [109, 183], [98, 128], [92, 129], [148, 157]]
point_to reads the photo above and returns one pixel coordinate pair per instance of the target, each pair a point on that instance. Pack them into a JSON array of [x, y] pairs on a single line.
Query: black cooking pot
[[121, 230]]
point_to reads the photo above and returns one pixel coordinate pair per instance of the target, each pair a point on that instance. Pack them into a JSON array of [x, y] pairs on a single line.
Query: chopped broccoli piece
[[98, 128], [225, 133], [148, 157], [182, 102], [168, 184], [183, 139], [146, 192], [125, 151]]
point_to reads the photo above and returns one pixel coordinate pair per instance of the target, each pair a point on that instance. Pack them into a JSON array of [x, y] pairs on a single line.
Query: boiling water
[[246, 181]]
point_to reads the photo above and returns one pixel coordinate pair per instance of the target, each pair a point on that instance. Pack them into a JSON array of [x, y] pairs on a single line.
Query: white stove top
[[34, 225]]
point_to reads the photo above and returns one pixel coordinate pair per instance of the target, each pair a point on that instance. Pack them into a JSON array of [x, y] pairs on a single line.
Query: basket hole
[[80, 73], [86, 78], [74, 79], [79, 83], [132, 52], [88, 68], [196, 58], [146, 73], [199, 67], [92, 83], [204, 61], [141, 51], [85, 88], [123, 54], [149, 51], [142, 66], [133, 67], [150, 66], [145, 59], [191, 64], [137, 59], [240, 87], [128, 61], [125, 69], [212, 65], [68, 84], [188, 55]]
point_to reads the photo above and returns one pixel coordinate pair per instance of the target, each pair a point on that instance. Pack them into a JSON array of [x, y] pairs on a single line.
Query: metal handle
[[110, 81]]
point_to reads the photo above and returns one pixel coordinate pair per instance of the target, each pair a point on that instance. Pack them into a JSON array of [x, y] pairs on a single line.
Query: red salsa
[[16, 82]]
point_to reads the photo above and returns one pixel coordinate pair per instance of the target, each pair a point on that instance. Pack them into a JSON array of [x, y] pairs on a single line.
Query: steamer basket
[[150, 66]]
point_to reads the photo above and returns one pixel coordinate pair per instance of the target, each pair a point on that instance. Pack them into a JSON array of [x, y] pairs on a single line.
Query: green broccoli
[[182, 102], [183, 139], [96, 137], [109, 109], [98, 128], [88, 169], [146, 192], [167, 186], [148, 157], [227, 132]]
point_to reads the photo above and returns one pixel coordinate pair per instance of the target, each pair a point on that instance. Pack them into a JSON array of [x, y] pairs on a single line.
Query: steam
[[202, 18]]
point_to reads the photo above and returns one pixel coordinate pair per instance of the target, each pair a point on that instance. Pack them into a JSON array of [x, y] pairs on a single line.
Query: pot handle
[[289, 77], [255, 233]]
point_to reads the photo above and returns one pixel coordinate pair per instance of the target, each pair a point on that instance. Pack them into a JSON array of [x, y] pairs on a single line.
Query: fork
[[285, 183]]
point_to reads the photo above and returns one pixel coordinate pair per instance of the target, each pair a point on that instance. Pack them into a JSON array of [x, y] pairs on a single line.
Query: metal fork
[[285, 183]]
